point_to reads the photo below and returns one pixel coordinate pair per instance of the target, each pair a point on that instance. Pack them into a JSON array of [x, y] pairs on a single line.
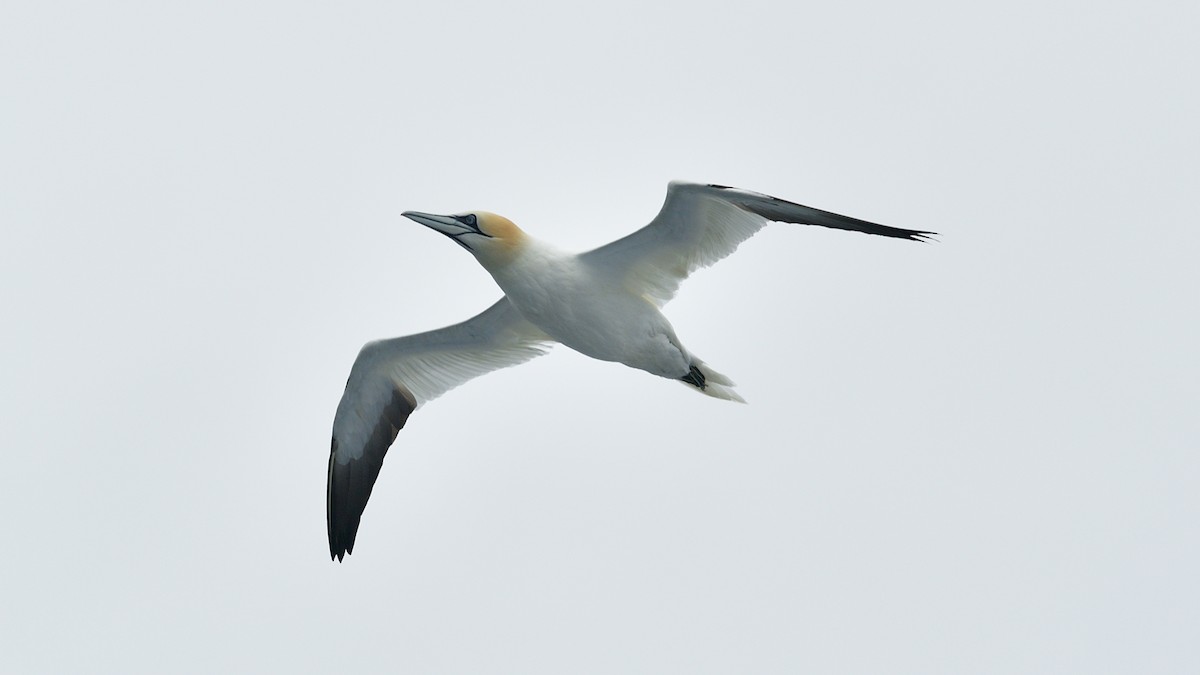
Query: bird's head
[[492, 239]]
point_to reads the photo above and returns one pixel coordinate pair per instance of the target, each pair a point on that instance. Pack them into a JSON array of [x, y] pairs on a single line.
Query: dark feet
[[695, 378]]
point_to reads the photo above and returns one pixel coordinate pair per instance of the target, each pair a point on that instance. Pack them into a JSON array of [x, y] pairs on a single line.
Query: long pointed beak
[[455, 227], [447, 225]]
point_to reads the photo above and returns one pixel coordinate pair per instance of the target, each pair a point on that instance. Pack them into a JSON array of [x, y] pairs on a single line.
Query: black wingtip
[[341, 536], [783, 211], [337, 551], [350, 483]]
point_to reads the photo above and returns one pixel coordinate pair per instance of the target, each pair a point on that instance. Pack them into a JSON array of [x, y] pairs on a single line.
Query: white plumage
[[603, 303]]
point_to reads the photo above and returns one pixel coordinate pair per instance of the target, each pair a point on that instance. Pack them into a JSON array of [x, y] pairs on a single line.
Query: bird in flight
[[604, 303]]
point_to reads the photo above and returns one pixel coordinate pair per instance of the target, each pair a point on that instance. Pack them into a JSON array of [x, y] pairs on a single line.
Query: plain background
[[974, 456]]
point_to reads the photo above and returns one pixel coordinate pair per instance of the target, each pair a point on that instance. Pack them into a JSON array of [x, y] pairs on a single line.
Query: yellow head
[[494, 240]]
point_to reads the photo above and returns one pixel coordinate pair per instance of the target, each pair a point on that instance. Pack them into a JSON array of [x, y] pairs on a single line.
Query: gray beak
[[454, 227], [447, 225]]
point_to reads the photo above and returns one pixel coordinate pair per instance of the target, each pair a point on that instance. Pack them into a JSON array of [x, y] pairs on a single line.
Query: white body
[[589, 309]]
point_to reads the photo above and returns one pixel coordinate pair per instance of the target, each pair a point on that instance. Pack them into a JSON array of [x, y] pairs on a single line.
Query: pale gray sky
[[973, 456]]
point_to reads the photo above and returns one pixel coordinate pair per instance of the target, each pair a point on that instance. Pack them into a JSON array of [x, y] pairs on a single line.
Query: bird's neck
[[533, 264]]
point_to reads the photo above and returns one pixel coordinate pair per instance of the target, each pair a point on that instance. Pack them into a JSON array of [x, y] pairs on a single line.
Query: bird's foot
[[695, 378]]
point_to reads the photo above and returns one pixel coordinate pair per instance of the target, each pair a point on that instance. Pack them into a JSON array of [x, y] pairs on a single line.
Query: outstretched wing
[[390, 379], [700, 224]]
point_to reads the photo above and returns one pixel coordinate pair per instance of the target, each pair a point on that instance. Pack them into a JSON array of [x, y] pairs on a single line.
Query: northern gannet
[[604, 303]]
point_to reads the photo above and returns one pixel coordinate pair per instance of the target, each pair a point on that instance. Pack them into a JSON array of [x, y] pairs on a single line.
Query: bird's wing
[[390, 379], [700, 224]]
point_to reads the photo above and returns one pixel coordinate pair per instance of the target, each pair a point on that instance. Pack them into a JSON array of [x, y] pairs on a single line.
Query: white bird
[[604, 303]]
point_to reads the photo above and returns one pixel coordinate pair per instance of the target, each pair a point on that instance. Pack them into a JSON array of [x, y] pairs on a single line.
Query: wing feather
[[390, 379], [701, 224]]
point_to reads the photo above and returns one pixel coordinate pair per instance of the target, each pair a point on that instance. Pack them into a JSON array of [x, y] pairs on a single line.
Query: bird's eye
[[470, 219]]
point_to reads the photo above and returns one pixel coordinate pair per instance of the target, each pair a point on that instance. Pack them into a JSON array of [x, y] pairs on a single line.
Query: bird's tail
[[708, 381]]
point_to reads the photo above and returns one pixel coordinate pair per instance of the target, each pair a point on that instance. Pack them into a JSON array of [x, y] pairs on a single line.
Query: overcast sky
[[974, 456]]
